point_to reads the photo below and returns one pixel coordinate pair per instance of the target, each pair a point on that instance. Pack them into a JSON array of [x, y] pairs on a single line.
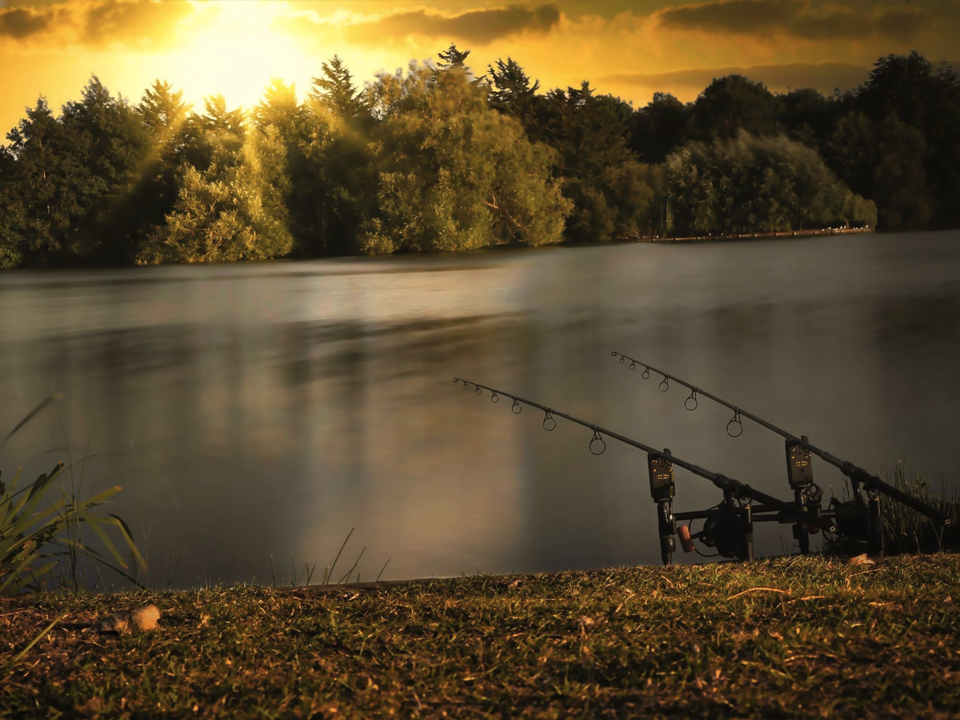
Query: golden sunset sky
[[627, 48]]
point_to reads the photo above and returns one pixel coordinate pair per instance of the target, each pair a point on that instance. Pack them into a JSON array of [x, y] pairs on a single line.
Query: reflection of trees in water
[[918, 317], [741, 323], [912, 337]]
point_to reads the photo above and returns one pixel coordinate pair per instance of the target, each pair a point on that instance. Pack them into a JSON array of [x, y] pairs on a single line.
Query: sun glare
[[236, 54]]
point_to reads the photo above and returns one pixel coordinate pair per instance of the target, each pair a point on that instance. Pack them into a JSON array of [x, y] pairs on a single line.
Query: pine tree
[[335, 92], [452, 58], [162, 109]]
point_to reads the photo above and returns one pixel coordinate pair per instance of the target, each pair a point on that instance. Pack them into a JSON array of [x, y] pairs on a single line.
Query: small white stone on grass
[[139, 619]]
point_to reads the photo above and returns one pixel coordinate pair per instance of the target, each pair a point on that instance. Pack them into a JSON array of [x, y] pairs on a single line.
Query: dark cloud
[[21, 23], [824, 77], [126, 22], [475, 26], [800, 18], [95, 22]]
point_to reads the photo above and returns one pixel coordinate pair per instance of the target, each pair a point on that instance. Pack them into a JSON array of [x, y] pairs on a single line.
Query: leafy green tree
[[111, 143], [223, 213], [283, 129], [455, 174], [909, 92], [12, 222], [223, 128], [809, 117], [65, 176], [340, 186], [750, 184], [231, 191], [659, 128], [154, 189], [900, 178], [851, 151], [590, 134], [43, 186], [733, 103]]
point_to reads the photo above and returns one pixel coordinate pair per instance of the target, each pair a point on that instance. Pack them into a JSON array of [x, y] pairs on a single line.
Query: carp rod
[[856, 474], [730, 486]]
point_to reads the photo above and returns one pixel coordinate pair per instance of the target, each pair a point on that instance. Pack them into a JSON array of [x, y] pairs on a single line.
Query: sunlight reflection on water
[[267, 409]]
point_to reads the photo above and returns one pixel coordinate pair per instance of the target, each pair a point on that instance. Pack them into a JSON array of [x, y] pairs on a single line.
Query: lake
[[266, 409]]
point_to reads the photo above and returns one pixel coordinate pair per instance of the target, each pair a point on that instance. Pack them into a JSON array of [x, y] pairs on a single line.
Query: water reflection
[[262, 410]]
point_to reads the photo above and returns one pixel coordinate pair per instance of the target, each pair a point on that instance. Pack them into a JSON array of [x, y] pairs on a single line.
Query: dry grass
[[791, 637]]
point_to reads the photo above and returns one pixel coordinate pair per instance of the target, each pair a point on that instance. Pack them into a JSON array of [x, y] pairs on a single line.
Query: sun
[[235, 53]]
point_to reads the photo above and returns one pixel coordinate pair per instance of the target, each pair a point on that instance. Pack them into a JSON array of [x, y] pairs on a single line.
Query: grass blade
[[33, 413], [37, 639]]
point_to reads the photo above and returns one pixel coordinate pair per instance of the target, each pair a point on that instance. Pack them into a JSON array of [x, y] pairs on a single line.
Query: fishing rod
[[799, 471], [729, 527]]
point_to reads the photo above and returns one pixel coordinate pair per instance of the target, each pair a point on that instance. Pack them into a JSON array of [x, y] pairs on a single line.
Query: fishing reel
[[858, 519], [862, 525], [728, 528]]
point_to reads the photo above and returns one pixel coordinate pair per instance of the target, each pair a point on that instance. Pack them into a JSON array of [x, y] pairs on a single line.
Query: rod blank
[[855, 473], [729, 485]]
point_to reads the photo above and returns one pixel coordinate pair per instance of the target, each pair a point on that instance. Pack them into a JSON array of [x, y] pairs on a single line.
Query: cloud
[[800, 19], [21, 23], [125, 22], [96, 23], [480, 27]]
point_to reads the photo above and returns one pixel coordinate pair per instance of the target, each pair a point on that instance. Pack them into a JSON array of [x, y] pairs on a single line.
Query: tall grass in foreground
[[41, 529], [907, 531]]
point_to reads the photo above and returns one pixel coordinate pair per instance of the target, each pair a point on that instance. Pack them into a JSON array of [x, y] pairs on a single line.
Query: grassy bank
[[779, 638]]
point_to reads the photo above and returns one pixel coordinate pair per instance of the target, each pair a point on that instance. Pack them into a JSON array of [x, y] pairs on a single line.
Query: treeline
[[439, 159]]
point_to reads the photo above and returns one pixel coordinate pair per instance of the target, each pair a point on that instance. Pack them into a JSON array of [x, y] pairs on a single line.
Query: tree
[[659, 128], [338, 171], [851, 151], [11, 219], [733, 103], [750, 184], [455, 174], [900, 178], [590, 134], [224, 213], [335, 92], [512, 92], [111, 143], [162, 110], [808, 116], [453, 58], [909, 90], [66, 175], [281, 109]]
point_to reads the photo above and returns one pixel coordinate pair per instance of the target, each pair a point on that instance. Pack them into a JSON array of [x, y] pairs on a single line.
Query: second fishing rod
[[798, 448], [727, 527]]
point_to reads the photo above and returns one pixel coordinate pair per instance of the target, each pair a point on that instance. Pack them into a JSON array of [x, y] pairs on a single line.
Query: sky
[[627, 48]]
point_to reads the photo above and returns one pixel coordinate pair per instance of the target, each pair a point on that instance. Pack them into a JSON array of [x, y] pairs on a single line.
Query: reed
[[905, 530], [42, 543]]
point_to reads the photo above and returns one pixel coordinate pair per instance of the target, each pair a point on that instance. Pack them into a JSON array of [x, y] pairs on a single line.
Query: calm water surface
[[258, 410]]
